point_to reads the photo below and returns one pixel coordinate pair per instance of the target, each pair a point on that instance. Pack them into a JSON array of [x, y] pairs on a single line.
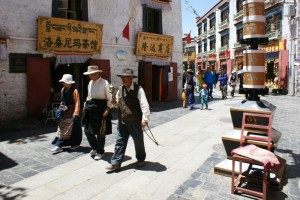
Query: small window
[[239, 34], [224, 40], [224, 15], [70, 9], [152, 20], [239, 5], [212, 45], [212, 23]]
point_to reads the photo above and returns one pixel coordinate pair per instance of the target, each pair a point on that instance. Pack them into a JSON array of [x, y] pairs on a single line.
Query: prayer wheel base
[[251, 94]]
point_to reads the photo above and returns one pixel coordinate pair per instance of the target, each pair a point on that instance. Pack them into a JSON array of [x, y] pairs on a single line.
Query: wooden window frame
[[157, 16], [71, 10]]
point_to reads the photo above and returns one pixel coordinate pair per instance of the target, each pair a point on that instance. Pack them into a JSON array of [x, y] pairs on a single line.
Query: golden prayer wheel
[[254, 68]]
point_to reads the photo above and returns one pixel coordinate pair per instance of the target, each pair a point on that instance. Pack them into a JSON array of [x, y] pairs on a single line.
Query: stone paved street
[[25, 153]]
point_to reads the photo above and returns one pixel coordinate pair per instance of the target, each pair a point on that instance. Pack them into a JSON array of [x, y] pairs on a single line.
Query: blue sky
[[189, 18]]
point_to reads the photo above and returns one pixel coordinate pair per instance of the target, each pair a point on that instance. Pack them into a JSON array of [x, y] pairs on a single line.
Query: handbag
[[59, 112], [189, 88]]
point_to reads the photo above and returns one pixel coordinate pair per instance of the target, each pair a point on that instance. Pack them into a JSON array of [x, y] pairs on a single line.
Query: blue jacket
[[209, 78], [223, 79]]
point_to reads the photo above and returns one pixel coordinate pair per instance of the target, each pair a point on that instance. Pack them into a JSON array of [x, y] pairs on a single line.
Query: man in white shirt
[[97, 116], [134, 115]]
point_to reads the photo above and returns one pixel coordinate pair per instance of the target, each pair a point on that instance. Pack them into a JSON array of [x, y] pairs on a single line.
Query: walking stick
[[152, 136]]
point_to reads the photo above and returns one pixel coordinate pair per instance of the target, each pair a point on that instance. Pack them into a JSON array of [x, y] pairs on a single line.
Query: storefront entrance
[[159, 82], [43, 76]]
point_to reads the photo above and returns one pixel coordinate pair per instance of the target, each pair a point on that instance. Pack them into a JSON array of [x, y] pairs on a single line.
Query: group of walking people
[[133, 116], [204, 83]]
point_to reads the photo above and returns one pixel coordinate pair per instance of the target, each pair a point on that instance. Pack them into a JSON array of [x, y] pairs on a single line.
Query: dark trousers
[[210, 89], [124, 131], [96, 142]]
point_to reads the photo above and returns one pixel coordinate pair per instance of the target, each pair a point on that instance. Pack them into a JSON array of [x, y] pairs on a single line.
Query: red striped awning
[[158, 4]]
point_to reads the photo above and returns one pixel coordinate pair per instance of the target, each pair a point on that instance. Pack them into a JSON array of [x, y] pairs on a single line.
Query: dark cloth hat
[[127, 72]]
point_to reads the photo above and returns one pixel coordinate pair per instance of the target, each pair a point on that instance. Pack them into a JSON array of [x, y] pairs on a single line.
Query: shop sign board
[[150, 44], [64, 35]]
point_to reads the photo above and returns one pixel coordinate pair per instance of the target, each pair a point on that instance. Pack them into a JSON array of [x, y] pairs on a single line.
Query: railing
[[269, 3], [237, 45], [204, 35], [211, 31], [199, 37], [224, 24], [274, 35], [211, 51], [273, 26], [273, 29], [223, 48], [239, 15]]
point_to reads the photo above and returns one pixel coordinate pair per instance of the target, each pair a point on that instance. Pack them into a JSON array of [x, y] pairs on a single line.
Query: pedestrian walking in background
[[69, 132], [190, 88], [232, 82], [216, 73], [200, 80], [97, 115], [184, 98], [223, 78], [134, 115], [209, 80], [203, 96], [241, 76]]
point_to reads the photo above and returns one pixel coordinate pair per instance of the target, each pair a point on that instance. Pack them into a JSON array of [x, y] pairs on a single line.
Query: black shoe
[[140, 163]]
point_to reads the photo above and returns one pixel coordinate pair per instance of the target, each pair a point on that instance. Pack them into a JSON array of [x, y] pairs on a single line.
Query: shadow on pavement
[[6, 162], [12, 193], [149, 166], [161, 106], [293, 171], [19, 136]]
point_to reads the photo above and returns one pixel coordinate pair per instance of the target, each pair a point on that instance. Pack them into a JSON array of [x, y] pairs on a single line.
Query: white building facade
[[221, 29], [29, 76]]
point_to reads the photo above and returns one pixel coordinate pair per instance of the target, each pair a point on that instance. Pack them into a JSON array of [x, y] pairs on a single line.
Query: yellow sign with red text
[[64, 35], [151, 44]]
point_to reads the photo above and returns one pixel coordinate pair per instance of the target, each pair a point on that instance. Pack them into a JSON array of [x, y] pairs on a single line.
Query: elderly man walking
[[97, 117], [134, 114]]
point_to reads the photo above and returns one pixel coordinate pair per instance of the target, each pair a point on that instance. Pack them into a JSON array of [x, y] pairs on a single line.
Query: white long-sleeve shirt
[[99, 89], [143, 102]]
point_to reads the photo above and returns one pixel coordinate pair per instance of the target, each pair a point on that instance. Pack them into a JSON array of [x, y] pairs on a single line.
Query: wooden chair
[[252, 121]]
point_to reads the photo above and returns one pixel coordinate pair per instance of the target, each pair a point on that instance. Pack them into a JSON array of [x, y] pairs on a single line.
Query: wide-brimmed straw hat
[[92, 69], [67, 78], [127, 72]]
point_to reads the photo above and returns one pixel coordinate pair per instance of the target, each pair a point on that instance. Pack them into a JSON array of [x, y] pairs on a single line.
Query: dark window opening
[[224, 15], [70, 9], [239, 34], [212, 44], [224, 40], [152, 20], [239, 5]]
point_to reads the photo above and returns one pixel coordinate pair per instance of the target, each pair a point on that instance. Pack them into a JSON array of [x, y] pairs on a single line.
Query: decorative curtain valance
[[160, 61], [68, 59], [158, 4]]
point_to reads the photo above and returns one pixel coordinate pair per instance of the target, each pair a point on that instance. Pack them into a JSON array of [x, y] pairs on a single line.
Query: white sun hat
[[67, 78]]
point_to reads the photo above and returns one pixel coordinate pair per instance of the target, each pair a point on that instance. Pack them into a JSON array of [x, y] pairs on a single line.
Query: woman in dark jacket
[[69, 132]]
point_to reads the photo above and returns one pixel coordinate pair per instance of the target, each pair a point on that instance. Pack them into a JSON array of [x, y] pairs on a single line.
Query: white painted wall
[[18, 21]]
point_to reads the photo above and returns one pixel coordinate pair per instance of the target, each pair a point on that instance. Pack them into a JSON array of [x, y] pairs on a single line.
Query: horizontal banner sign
[[64, 35], [150, 44]]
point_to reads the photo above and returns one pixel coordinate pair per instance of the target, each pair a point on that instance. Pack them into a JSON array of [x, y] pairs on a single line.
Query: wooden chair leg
[[233, 176]]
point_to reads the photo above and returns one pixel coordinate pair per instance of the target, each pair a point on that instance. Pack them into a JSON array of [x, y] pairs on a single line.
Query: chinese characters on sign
[[150, 44], [63, 35]]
